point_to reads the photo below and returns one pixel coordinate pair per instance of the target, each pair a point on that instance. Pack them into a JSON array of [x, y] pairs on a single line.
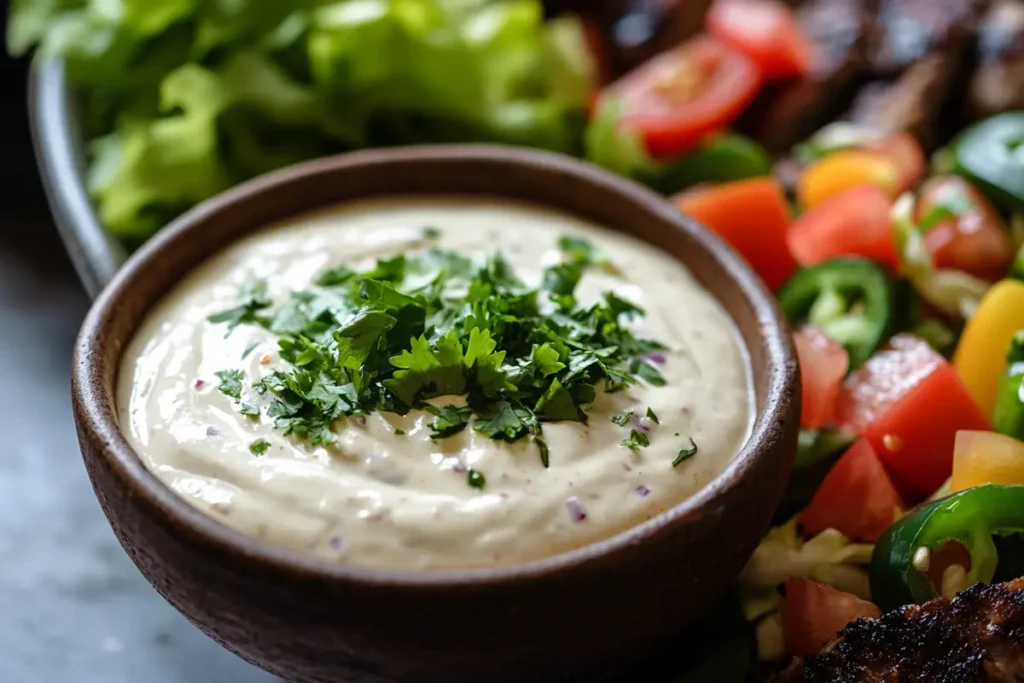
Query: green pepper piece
[[1009, 411], [971, 517], [991, 155], [850, 299], [817, 451], [724, 158]]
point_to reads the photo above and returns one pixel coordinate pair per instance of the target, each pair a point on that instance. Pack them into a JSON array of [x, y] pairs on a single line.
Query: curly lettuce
[[184, 98]]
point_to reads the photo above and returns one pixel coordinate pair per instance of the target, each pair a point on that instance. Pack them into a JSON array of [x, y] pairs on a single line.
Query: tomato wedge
[[752, 216], [823, 365], [856, 222], [857, 498], [813, 613], [767, 31], [905, 151], [909, 403], [963, 231], [680, 96]]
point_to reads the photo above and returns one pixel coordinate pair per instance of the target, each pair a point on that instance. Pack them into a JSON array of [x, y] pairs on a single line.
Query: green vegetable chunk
[[985, 520], [1009, 410], [850, 299], [991, 155]]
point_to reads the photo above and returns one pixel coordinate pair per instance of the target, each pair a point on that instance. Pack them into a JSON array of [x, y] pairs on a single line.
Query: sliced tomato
[[823, 365], [752, 216], [909, 403], [905, 152], [767, 31], [857, 497], [963, 231], [680, 96], [813, 613], [856, 222]]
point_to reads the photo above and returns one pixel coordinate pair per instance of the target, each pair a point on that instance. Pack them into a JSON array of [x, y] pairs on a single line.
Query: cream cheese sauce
[[380, 499]]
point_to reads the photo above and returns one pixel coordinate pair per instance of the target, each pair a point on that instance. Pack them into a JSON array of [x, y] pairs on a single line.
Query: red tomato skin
[[823, 365], [767, 31], [714, 85], [909, 403], [752, 217], [857, 222], [905, 151], [813, 613], [975, 242], [857, 497]]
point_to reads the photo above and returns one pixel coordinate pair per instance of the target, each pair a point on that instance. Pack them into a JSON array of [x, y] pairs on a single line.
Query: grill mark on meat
[[977, 637]]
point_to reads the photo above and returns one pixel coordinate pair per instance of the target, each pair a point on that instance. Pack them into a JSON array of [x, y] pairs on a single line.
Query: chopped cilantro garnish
[[435, 323], [249, 349], [249, 409], [431, 233], [623, 419], [259, 446], [254, 300], [476, 479], [685, 453], [231, 383], [652, 416], [399, 431], [636, 440]]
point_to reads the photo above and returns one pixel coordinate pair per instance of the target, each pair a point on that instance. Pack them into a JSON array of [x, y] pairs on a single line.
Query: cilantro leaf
[[231, 383], [635, 441], [503, 422], [561, 279], [338, 275], [685, 454], [254, 300], [623, 419], [652, 416], [544, 358], [450, 420], [259, 447], [392, 269], [557, 404], [431, 233], [476, 479]]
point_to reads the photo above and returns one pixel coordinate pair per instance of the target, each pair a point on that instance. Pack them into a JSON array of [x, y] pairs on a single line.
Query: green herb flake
[[476, 479], [450, 420], [652, 416], [254, 299], [335, 276], [635, 441], [249, 410], [259, 447], [399, 431], [249, 349], [231, 383], [685, 454], [623, 419], [431, 233]]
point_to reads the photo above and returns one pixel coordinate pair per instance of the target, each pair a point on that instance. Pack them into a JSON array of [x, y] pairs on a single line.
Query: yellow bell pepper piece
[[986, 458], [845, 170], [980, 357]]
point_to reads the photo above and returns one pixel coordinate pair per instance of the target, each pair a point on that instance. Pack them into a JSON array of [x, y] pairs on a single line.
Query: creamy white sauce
[[379, 499]]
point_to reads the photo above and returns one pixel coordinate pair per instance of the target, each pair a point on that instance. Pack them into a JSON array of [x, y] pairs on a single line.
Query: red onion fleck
[[503, 496], [198, 384], [459, 467], [641, 423], [656, 358], [361, 421], [627, 467], [642, 491], [577, 512], [212, 431], [335, 543]]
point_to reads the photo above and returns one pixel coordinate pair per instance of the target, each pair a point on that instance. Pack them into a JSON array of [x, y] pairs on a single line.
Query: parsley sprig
[[411, 329]]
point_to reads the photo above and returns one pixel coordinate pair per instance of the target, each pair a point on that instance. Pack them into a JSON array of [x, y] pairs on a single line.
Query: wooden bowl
[[575, 616]]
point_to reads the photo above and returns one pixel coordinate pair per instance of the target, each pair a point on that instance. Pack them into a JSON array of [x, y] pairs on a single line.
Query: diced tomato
[[752, 216], [963, 231], [856, 222], [813, 613], [909, 403], [767, 31], [680, 96], [823, 365], [905, 151], [857, 497]]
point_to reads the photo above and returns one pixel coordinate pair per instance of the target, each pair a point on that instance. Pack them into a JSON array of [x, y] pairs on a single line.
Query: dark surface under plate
[[73, 608]]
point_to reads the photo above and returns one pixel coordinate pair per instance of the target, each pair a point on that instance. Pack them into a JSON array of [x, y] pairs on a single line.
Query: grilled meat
[[976, 638], [906, 31], [998, 84], [787, 113]]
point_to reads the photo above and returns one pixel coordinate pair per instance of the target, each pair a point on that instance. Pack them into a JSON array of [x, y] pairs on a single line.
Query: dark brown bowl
[[575, 616]]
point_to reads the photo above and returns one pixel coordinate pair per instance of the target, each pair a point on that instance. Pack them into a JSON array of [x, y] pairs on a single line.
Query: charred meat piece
[[787, 113], [977, 637], [914, 102], [998, 84], [905, 31]]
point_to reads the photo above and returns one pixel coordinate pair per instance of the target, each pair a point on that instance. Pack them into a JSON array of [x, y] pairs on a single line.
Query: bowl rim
[[98, 422]]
